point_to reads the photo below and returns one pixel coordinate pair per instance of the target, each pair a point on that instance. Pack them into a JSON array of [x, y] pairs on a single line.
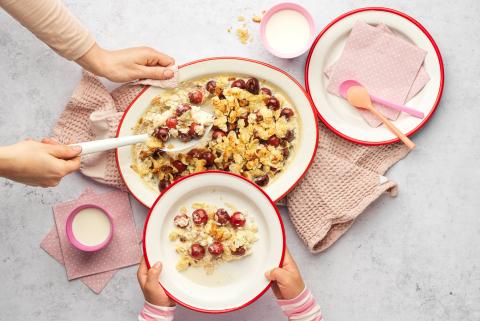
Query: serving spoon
[[358, 96], [344, 86], [101, 145]]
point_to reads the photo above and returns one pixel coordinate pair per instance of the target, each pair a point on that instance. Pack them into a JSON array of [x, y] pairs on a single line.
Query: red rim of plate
[[430, 38], [309, 98], [223, 173]]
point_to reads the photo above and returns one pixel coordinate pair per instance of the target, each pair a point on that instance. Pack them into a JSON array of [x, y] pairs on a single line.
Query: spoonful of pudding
[[358, 96]]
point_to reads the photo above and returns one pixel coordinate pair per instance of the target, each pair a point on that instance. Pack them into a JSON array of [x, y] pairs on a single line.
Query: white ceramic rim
[[268, 252], [308, 127], [335, 111]]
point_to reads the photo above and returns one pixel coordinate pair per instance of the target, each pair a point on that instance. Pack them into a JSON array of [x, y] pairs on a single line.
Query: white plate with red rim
[[307, 132], [233, 285], [335, 112]]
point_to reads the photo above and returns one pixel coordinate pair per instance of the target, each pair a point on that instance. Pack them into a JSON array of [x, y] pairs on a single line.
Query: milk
[[91, 226], [287, 32]]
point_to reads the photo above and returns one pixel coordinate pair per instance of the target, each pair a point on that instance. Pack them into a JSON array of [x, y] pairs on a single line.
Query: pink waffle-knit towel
[[94, 113], [343, 180], [387, 65], [123, 250]]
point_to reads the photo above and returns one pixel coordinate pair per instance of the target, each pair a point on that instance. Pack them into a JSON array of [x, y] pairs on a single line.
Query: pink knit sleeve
[[52, 23], [152, 312], [302, 308]]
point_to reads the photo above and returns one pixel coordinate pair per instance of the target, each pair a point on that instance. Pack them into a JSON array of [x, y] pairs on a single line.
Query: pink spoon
[[344, 86]]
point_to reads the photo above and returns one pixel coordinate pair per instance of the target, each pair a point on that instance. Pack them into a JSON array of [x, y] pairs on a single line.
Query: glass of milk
[[287, 30], [89, 228]]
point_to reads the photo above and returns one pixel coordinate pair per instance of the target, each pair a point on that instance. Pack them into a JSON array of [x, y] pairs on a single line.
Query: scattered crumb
[[229, 30], [241, 18], [243, 35], [257, 19]]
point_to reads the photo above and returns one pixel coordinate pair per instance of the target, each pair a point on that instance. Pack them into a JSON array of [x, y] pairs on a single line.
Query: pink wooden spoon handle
[[405, 109]]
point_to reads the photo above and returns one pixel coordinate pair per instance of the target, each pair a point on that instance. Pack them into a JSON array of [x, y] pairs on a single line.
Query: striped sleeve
[[152, 312], [302, 308]]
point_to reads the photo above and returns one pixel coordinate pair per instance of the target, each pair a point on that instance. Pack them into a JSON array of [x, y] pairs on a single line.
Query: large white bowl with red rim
[[335, 112], [232, 285], [299, 161]]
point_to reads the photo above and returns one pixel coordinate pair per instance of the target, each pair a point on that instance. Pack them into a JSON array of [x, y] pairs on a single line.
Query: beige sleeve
[[52, 23]]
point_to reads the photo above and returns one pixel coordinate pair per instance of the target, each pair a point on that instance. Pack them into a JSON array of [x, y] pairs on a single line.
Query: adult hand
[[151, 288], [127, 64], [287, 283], [38, 163]]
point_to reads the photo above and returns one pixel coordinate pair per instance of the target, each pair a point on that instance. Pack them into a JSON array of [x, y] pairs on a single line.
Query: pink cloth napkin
[[167, 83], [124, 249], [388, 66], [51, 245]]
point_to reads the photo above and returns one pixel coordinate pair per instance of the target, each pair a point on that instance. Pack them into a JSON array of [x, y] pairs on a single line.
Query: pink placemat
[[124, 249], [51, 245], [385, 64]]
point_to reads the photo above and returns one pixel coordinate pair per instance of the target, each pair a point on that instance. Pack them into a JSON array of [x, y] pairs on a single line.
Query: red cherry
[[192, 131], [199, 217], [179, 165], [218, 133], [289, 136], [196, 97], [273, 103], [181, 221], [237, 219], [222, 217], [239, 251], [208, 157], [287, 113], [262, 180], [252, 86], [163, 184], [274, 141], [172, 122], [183, 109], [240, 83], [194, 153], [266, 91], [197, 251], [216, 248], [210, 86], [162, 134], [184, 137]]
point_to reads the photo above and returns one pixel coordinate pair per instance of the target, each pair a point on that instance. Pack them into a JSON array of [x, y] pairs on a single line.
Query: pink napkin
[[388, 66], [166, 83], [51, 245], [123, 250]]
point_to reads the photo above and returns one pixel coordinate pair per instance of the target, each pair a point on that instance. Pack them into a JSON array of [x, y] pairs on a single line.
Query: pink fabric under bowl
[[77, 243], [286, 6]]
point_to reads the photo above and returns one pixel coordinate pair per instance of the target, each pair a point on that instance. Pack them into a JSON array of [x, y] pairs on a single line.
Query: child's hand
[[38, 163], [127, 64], [151, 288], [287, 283]]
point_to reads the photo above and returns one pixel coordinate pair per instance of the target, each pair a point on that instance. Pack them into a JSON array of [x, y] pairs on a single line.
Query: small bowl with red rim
[[288, 35], [99, 223], [234, 284]]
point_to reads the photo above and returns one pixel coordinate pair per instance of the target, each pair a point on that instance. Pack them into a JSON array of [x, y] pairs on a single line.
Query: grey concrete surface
[[414, 257]]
